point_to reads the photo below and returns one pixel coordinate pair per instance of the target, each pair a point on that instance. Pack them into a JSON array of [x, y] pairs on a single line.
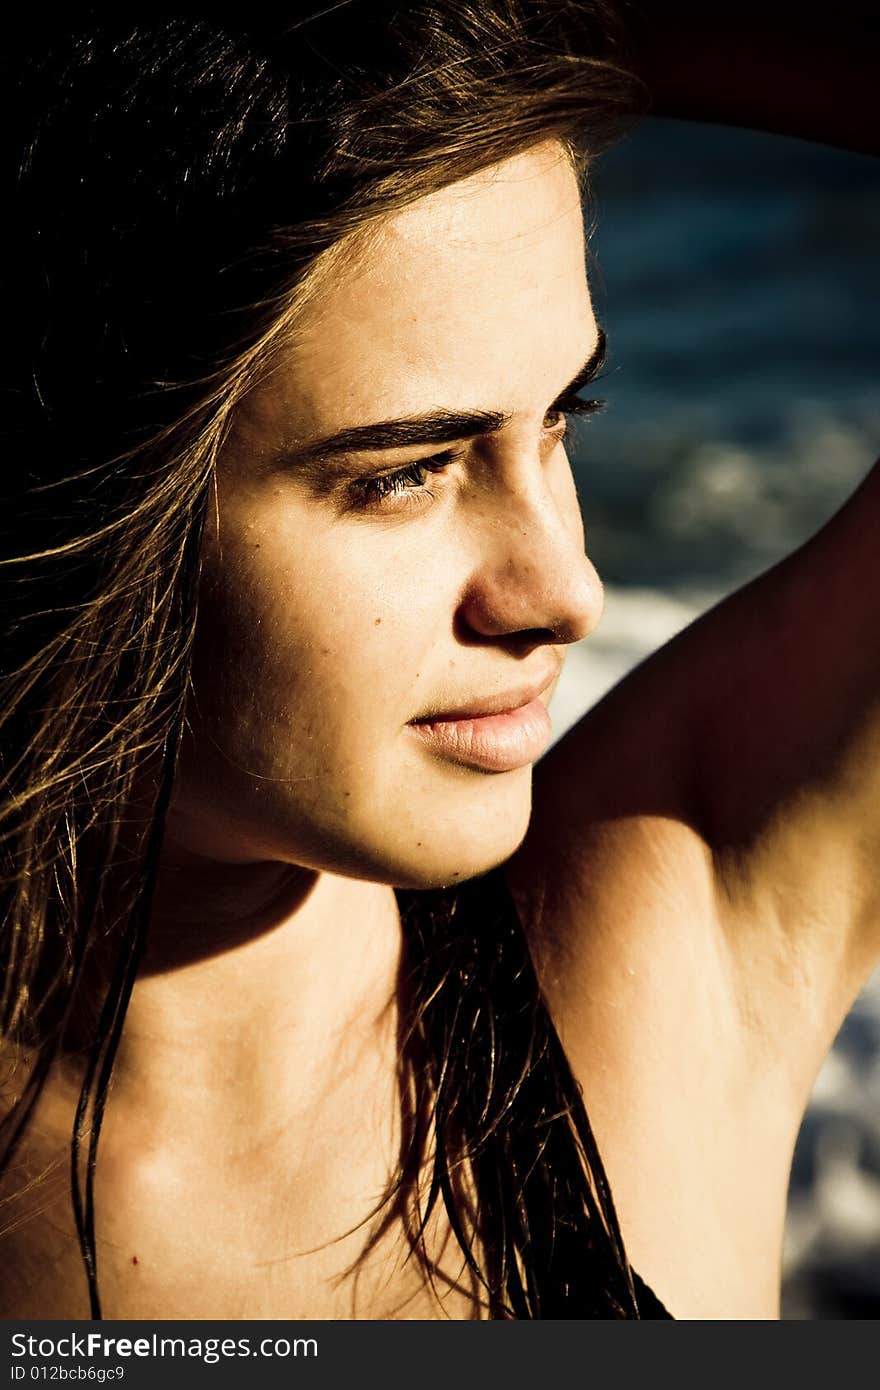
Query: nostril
[[522, 643], [519, 642], [534, 584]]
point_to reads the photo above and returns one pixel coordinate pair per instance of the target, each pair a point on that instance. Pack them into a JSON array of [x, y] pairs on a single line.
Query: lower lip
[[491, 742]]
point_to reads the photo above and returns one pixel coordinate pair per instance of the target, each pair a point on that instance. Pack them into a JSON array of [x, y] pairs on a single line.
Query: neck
[[255, 1093], [260, 986]]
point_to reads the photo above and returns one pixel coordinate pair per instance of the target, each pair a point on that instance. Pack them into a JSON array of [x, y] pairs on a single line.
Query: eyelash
[[374, 492]]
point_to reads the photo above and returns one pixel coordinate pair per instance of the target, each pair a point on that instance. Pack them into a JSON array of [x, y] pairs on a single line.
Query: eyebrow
[[437, 426]]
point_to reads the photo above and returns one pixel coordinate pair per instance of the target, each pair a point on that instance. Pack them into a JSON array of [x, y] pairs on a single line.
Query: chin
[[450, 849]]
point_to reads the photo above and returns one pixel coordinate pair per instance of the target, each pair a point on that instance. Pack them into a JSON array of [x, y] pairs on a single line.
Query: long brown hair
[[174, 190]]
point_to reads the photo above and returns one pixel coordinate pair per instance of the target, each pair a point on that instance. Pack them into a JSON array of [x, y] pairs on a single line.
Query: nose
[[534, 581]]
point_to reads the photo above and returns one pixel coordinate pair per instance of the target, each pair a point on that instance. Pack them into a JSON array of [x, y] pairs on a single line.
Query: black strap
[[649, 1304]]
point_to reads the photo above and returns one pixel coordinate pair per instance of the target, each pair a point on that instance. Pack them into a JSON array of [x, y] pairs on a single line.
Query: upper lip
[[500, 703]]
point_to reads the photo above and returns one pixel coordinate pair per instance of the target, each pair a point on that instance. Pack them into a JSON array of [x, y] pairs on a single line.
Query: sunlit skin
[[331, 619], [694, 864], [262, 1028], [326, 625]]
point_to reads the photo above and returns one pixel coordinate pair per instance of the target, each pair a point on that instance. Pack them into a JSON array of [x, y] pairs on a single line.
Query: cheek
[[306, 673], [311, 644]]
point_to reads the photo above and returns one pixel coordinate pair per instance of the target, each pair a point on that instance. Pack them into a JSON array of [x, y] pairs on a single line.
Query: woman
[[297, 314]]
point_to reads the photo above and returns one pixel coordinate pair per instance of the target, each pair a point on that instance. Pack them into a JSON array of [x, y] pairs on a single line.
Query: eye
[[409, 483], [557, 417], [410, 480]]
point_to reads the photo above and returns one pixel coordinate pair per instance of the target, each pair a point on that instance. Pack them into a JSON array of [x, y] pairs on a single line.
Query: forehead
[[473, 295]]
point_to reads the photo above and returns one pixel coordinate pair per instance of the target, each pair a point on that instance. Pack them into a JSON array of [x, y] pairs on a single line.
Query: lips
[[496, 733], [514, 698]]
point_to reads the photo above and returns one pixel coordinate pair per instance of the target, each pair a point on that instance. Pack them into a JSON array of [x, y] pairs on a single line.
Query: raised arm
[[785, 717], [772, 66], [729, 789]]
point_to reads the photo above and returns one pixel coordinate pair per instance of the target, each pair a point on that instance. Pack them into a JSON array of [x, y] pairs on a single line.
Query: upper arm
[[735, 65], [787, 740], [726, 794]]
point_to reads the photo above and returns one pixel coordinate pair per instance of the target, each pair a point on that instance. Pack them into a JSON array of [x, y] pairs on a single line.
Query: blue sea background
[[737, 277]]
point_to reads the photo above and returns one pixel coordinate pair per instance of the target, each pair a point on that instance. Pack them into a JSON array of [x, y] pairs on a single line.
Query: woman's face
[[341, 603]]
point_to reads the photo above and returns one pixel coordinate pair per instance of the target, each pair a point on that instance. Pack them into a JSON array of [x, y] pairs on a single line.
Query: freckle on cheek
[[376, 622]]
